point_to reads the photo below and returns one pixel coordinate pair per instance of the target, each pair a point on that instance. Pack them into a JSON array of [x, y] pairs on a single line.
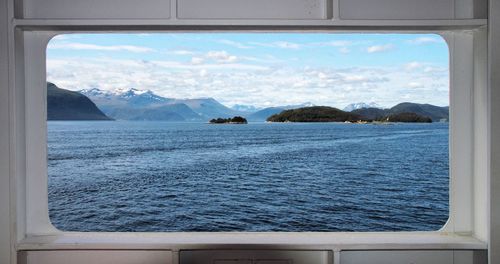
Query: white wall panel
[[413, 257], [396, 9], [97, 9], [254, 256], [252, 9], [396, 257], [480, 135], [461, 132], [494, 131], [98, 257], [5, 236], [470, 257]]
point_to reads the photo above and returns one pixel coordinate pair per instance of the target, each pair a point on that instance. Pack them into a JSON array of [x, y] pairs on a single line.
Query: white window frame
[[465, 229]]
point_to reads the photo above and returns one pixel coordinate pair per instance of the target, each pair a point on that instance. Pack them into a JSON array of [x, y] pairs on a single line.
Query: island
[[315, 114], [234, 120], [331, 114], [406, 118]]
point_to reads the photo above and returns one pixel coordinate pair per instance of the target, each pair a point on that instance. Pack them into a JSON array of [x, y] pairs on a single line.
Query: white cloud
[[83, 46], [252, 84], [426, 40], [434, 69], [415, 85], [335, 43], [203, 72], [379, 48], [278, 44], [221, 56], [413, 65], [197, 60], [234, 44], [342, 45]]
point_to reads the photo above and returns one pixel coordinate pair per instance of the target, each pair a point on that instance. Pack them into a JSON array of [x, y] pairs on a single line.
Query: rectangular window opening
[[248, 132]]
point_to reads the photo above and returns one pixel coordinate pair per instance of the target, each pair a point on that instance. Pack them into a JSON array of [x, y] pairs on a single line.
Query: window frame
[[462, 231]]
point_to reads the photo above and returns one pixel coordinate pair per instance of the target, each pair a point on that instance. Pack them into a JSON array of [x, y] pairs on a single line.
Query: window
[[135, 144]]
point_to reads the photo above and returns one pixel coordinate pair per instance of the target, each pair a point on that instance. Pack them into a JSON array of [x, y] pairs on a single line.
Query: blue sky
[[260, 69]]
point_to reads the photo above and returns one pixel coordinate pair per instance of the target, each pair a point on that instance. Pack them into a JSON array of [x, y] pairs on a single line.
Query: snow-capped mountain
[[245, 108], [134, 97], [95, 92], [306, 104], [134, 104], [356, 106]]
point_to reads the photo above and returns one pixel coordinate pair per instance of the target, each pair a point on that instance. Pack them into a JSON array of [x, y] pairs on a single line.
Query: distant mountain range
[[134, 104]]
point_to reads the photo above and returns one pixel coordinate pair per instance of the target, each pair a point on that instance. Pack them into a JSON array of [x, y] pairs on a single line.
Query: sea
[[134, 176]]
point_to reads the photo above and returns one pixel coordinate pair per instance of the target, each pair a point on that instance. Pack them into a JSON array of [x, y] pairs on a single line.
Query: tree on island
[[406, 118], [234, 120]]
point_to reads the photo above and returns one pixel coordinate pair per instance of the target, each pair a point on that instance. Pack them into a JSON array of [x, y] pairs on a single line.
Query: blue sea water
[[160, 176]]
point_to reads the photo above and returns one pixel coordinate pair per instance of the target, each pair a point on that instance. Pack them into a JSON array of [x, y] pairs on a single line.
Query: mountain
[[314, 114], [288, 107], [131, 97], [137, 98], [209, 108], [356, 106], [133, 104], [263, 114], [68, 105], [371, 113], [245, 108], [436, 113], [172, 112]]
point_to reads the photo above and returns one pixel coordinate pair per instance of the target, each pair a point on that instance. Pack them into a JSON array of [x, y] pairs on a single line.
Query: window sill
[[318, 241]]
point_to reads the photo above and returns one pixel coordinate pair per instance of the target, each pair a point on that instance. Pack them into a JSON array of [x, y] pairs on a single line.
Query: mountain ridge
[[147, 104], [436, 113], [63, 104], [360, 105], [135, 104]]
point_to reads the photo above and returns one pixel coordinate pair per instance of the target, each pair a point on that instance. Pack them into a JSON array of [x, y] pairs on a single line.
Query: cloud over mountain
[[262, 70]]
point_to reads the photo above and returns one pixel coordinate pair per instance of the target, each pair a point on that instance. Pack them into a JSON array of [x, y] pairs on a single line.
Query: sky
[[258, 69]]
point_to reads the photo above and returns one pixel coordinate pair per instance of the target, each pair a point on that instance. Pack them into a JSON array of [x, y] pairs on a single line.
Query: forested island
[[234, 120], [406, 118], [331, 114], [314, 114]]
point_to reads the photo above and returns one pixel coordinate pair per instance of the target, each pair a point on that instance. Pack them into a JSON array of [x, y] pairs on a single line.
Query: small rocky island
[[234, 120], [331, 114]]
